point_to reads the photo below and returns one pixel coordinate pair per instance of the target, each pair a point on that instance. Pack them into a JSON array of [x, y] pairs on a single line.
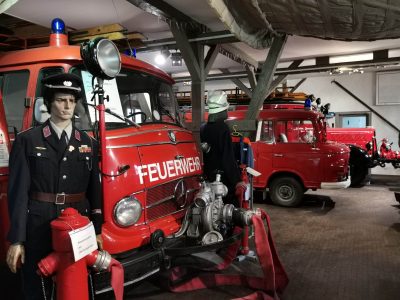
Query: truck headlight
[[127, 211]]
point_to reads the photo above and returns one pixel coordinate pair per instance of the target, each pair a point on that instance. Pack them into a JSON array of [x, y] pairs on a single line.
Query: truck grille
[[161, 199]]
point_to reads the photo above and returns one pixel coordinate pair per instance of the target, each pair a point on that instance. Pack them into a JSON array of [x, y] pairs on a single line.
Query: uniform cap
[[63, 81], [217, 102]]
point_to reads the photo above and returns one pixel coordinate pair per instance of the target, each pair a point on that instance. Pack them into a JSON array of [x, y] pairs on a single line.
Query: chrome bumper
[[336, 185]]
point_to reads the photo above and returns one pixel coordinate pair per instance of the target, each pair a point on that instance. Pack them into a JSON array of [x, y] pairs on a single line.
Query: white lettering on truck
[[170, 168]]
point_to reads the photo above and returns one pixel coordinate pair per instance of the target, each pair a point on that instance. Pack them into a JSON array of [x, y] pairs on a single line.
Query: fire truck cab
[[292, 154]]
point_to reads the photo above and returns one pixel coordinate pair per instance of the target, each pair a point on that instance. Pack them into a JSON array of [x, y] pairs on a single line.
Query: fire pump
[[154, 199]]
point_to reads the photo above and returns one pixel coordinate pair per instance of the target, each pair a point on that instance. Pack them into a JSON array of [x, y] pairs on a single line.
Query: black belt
[[60, 198]]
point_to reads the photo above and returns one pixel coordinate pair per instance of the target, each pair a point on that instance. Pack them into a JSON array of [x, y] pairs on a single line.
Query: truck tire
[[286, 191], [358, 175], [359, 163]]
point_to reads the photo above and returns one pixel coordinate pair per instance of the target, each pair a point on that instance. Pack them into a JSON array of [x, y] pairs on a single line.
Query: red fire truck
[[150, 163], [293, 155], [364, 152]]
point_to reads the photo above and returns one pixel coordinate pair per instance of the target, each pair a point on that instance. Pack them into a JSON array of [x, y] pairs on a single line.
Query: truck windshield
[[133, 95], [292, 131]]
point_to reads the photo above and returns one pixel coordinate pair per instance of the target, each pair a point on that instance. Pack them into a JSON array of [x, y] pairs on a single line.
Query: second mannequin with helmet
[[216, 138]]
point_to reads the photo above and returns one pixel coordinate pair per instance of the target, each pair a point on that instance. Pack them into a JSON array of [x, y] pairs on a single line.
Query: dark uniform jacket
[[35, 166], [221, 156]]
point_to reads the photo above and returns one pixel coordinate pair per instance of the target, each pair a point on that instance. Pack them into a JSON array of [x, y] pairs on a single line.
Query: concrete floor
[[338, 245]]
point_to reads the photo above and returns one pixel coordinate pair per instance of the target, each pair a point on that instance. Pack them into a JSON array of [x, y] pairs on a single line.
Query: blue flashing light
[[307, 104], [130, 52], [57, 26]]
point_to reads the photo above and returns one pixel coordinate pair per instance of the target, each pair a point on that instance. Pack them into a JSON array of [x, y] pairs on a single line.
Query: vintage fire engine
[[364, 151], [361, 141], [154, 198], [293, 155]]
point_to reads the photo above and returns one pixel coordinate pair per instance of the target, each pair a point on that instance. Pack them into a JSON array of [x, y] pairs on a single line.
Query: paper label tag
[[253, 172], [3, 151], [83, 241]]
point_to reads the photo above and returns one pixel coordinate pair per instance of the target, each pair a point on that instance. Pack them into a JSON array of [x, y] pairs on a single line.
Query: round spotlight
[[101, 58]]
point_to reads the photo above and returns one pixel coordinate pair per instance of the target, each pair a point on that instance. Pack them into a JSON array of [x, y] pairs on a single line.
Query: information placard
[[83, 241]]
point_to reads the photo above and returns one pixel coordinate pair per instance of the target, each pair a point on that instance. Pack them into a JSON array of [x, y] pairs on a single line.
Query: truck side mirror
[[40, 111]]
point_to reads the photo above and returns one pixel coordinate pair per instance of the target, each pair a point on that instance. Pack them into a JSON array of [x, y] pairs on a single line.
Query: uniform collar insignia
[[77, 135], [46, 131]]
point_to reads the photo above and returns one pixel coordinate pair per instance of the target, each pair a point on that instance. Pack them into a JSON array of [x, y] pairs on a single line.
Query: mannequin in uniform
[[52, 167], [220, 155]]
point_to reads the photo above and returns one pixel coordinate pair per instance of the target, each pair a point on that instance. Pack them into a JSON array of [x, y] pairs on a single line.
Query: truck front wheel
[[358, 175], [286, 191]]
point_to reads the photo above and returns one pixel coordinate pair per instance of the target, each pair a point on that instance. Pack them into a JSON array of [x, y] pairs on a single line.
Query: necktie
[[62, 144]]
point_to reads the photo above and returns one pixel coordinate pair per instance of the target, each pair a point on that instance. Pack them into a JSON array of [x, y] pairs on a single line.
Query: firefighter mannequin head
[[217, 105], [64, 90]]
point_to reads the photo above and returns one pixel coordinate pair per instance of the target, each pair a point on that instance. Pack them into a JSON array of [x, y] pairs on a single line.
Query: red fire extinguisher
[[71, 275]]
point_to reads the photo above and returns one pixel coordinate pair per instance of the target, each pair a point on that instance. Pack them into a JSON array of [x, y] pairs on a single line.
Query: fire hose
[[274, 278]]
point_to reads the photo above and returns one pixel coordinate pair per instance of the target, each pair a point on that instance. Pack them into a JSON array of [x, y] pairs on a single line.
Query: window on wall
[[354, 120], [387, 88], [14, 86]]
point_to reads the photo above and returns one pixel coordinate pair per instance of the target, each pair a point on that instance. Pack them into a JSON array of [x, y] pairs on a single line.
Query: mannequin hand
[[99, 240], [240, 188], [14, 253]]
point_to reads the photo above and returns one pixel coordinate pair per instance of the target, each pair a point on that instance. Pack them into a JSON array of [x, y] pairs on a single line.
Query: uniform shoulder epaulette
[[87, 135]]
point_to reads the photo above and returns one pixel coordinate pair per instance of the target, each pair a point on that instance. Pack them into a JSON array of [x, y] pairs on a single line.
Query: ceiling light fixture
[[176, 59], [161, 58], [345, 70]]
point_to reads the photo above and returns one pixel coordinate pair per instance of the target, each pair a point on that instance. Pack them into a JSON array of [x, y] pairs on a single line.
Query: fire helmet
[[217, 102]]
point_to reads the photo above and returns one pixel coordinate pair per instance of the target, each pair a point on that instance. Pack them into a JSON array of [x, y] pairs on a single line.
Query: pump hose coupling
[[103, 261], [237, 216]]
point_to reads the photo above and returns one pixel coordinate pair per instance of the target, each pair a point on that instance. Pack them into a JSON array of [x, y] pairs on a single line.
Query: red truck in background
[[364, 152], [292, 154], [150, 164]]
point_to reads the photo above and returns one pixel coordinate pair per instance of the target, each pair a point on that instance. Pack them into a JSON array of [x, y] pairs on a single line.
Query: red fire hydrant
[[71, 275]]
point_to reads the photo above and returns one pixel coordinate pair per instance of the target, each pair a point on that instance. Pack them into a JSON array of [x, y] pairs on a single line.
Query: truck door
[[4, 155], [13, 91], [263, 151], [295, 150]]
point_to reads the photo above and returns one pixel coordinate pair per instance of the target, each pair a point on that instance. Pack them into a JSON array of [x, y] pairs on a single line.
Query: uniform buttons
[[64, 177], [87, 158], [39, 154], [64, 159]]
